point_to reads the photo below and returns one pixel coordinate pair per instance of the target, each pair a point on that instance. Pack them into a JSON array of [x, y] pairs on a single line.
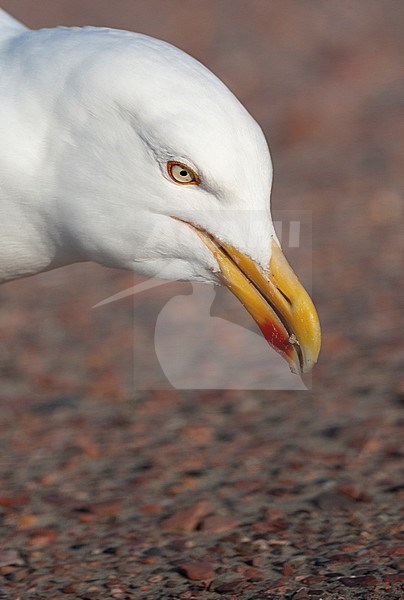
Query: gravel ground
[[108, 491]]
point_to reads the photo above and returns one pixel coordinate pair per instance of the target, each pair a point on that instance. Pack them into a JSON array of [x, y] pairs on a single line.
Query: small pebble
[[197, 571]]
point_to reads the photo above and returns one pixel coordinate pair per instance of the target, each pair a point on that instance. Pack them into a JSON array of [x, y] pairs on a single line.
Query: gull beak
[[276, 300]]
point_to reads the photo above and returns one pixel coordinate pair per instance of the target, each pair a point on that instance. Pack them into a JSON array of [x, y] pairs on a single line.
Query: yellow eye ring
[[182, 173]]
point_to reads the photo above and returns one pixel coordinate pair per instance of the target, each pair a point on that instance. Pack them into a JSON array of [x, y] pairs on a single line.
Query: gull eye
[[181, 173]]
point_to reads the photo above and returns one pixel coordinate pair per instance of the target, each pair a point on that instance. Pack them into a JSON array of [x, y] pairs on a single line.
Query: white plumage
[[90, 119]]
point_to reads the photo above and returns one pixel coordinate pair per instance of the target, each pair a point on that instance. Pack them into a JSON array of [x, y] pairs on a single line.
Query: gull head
[[151, 164]]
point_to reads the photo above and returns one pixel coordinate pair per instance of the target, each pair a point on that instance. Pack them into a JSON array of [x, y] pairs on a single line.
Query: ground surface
[[111, 492]]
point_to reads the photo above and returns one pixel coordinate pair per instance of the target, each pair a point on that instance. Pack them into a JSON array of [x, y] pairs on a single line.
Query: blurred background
[[325, 82]]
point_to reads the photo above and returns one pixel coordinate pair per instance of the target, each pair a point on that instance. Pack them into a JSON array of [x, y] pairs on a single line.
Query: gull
[[122, 149]]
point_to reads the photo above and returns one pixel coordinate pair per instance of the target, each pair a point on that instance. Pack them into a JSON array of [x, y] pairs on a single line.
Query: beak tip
[[275, 299], [304, 359]]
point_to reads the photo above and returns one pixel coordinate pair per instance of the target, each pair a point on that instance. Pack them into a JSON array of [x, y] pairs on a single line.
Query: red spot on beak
[[275, 336]]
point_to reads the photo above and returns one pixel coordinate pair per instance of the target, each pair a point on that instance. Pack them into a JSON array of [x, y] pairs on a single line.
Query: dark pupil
[[183, 173]]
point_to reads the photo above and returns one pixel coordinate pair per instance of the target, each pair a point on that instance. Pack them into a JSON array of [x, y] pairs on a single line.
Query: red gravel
[[107, 492], [198, 571]]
